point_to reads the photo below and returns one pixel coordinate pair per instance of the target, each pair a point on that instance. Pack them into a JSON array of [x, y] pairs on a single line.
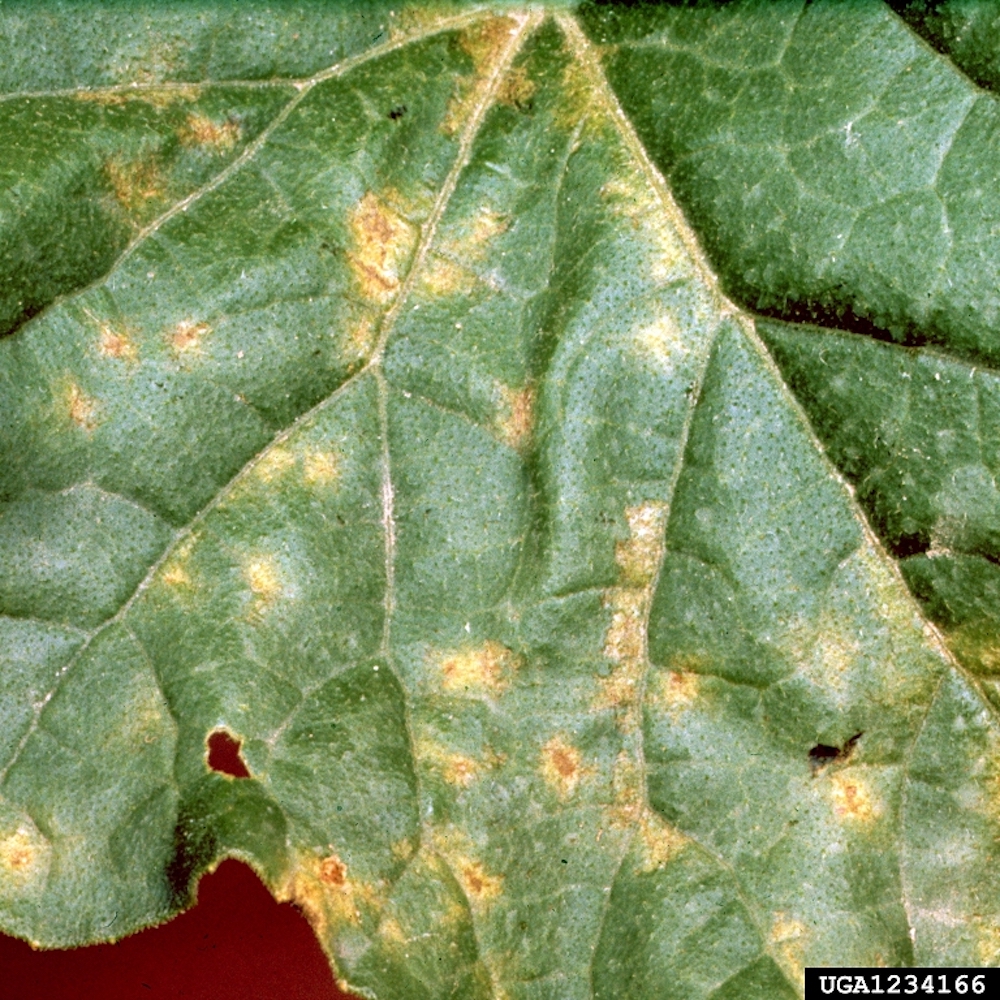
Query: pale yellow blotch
[[483, 42], [441, 277], [186, 337], [360, 339], [661, 344], [659, 841], [788, 938], [676, 689], [517, 416], [261, 574], [402, 849], [987, 942], [382, 244], [174, 575], [114, 343], [135, 182], [487, 668], [624, 639], [631, 197], [561, 766], [457, 769], [320, 468], [852, 799], [274, 463], [516, 89], [322, 888], [638, 560], [158, 97], [479, 885], [576, 99], [82, 409], [200, 130], [25, 856], [391, 932], [639, 556]]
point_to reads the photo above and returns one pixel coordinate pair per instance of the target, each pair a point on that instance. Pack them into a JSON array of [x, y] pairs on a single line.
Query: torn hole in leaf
[[823, 754], [224, 754]]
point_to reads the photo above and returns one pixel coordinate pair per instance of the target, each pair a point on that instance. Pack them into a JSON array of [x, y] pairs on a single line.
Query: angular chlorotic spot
[[853, 799], [561, 766], [482, 669], [200, 130], [382, 242], [187, 336], [320, 468], [81, 408]]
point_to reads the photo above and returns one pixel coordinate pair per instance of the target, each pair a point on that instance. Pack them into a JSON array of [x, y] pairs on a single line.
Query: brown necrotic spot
[[199, 130], [382, 243], [224, 754]]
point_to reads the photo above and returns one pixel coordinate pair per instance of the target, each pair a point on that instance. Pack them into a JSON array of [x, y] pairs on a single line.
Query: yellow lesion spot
[[987, 935], [516, 89], [479, 885], [853, 799], [625, 640], [483, 42], [487, 669], [24, 857], [320, 468], [135, 182], [576, 98], [186, 337], [676, 689], [264, 580], [788, 938], [639, 556], [662, 344], [561, 766], [658, 842], [200, 130], [360, 339], [323, 889], [82, 409], [158, 97], [456, 768], [391, 932], [382, 244], [174, 575], [274, 463], [517, 416], [441, 277]]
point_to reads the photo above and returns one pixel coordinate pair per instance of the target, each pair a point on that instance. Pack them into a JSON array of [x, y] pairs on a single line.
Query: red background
[[236, 944]]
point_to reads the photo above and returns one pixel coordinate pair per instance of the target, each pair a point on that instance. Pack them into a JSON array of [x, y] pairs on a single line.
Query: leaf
[[585, 631]]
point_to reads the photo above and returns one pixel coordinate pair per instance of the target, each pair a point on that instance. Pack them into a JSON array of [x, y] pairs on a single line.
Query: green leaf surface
[[605, 606]]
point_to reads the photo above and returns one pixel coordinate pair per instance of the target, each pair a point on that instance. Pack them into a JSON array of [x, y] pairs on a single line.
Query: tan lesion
[[113, 340], [25, 857], [323, 887]]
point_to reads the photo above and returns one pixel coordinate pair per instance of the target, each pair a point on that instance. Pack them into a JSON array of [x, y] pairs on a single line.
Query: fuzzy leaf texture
[[559, 443]]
